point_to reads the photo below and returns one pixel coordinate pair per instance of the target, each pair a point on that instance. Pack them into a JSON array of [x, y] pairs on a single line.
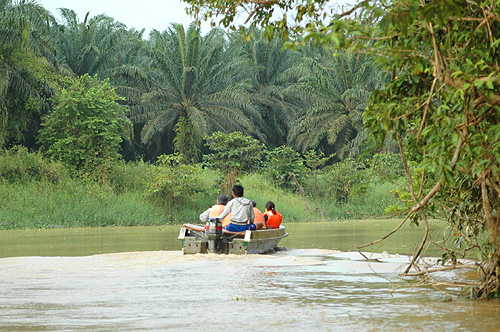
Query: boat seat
[[199, 228]]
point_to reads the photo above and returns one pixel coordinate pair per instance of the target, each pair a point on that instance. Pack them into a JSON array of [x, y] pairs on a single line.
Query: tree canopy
[[26, 79], [192, 78]]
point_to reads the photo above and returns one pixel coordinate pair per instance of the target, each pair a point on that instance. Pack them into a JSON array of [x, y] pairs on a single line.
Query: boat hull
[[194, 241]]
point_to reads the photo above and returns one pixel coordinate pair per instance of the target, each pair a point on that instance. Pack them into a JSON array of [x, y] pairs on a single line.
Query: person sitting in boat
[[227, 219], [271, 216], [259, 217], [215, 210], [241, 209]]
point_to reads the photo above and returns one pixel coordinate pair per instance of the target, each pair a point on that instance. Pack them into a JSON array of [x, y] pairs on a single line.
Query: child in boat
[[271, 216], [259, 217]]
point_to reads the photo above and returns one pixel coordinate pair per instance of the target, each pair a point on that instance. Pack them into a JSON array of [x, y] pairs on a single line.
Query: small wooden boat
[[197, 239]]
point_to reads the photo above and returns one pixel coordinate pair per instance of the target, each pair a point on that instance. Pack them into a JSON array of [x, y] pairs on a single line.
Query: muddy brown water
[[136, 279]]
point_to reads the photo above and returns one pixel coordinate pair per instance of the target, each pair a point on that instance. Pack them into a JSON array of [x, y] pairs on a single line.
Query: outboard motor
[[213, 232]]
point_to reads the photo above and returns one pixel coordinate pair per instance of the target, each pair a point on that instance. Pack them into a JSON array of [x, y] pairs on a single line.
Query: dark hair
[[254, 203], [238, 190], [222, 199], [270, 206]]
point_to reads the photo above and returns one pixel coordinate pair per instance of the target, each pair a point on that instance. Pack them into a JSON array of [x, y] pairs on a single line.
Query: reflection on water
[[299, 289], [138, 287]]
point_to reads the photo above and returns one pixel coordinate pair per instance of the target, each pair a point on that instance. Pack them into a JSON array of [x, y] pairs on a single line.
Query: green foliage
[[371, 203], [293, 207], [17, 165], [387, 166], [92, 46], [343, 178], [315, 182], [26, 78], [445, 100], [31, 83], [444, 91], [192, 77], [38, 193], [233, 152], [268, 69], [285, 167], [187, 141], [73, 203], [299, 208], [175, 182], [337, 86], [314, 160], [85, 129], [261, 14], [126, 177]]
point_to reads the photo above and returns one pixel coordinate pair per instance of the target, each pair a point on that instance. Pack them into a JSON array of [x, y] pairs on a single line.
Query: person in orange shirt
[[227, 219], [259, 217], [215, 210], [271, 216]]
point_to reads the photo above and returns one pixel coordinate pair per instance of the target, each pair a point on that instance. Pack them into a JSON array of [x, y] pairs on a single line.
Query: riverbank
[[70, 203], [36, 193]]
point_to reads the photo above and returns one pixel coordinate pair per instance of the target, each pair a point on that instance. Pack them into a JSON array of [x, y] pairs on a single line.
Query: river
[[123, 279]]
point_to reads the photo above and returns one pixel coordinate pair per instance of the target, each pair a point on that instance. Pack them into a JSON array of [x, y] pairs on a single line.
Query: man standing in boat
[[241, 209]]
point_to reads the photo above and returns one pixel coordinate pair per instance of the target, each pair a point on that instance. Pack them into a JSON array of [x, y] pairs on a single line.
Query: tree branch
[[384, 237], [426, 109], [446, 268]]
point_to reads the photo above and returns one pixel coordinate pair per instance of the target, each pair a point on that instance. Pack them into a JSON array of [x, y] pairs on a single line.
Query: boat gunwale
[[246, 235]]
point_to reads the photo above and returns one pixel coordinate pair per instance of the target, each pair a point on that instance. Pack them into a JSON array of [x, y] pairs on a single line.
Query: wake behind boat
[[211, 238]]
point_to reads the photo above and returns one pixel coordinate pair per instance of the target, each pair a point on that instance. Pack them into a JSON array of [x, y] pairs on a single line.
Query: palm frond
[[164, 120], [337, 86]]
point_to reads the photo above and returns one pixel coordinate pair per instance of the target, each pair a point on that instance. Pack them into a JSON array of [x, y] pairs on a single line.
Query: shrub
[[233, 154], [285, 167], [343, 178], [387, 166], [131, 176], [175, 183], [19, 165], [86, 126]]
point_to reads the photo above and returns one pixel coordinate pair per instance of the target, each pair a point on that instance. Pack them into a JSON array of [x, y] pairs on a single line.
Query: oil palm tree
[[269, 72], [88, 47], [194, 88], [23, 45], [338, 86]]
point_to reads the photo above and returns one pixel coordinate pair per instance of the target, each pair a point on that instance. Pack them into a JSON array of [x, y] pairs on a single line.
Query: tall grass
[[72, 204], [37, 193], [371, 204], [296, 208], [18, 165], [293, 207]]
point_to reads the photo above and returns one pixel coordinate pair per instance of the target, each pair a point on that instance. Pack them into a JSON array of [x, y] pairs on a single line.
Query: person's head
[[270, 206], [222, 200], [238, 190], [254, 203]]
